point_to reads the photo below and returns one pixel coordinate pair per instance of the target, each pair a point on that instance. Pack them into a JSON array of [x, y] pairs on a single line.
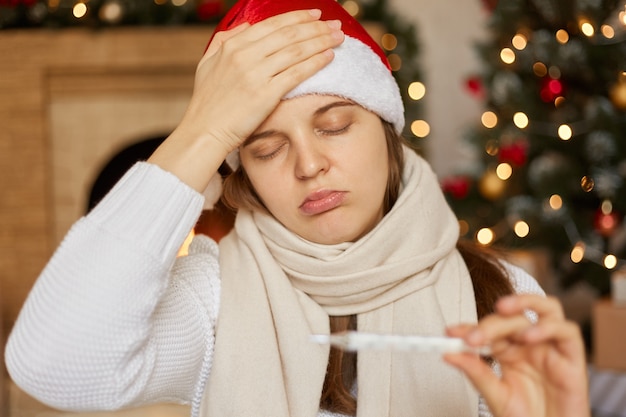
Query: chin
[[334, 237]]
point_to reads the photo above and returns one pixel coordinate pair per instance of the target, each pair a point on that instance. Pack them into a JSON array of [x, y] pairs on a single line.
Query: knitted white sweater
[[115, 319]]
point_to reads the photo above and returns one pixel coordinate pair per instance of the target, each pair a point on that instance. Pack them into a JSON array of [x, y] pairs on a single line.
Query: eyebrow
[[267, 133]]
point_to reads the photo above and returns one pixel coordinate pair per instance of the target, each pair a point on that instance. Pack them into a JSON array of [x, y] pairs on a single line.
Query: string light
[[607, 31], [111, 12], [554, 72], [587, 29], [417, 90], [519, 42], [565, 132], [395, 62], [507, 55], [521, 228], [578, 252], [562, 36], [555, 202], [389, 41], [485, 236], [587, 184], [504, 171], [420, 128], [540, 69], [492, 147], [489, 119], [79, 10], [520, 120], [352, 7], [610, 261]]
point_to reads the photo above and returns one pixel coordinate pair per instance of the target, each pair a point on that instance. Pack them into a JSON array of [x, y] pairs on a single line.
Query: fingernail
[[337, 34], [505, 301], [334, 24], [474, 336], [315, 12]]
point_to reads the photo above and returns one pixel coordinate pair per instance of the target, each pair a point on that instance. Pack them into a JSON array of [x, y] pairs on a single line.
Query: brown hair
[[489, 278]]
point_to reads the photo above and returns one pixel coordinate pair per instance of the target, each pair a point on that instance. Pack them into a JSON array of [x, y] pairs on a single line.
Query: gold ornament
[[617, 94], [490, 186]]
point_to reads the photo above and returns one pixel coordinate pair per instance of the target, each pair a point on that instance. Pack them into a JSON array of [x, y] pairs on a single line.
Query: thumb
[[482, 377]]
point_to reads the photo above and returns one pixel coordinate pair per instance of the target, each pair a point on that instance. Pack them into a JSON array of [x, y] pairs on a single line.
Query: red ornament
[[551, 89], [15, 3], [210, 9], [475, 86], [515, 154], [606, 223], [490, 4], [458, 186]]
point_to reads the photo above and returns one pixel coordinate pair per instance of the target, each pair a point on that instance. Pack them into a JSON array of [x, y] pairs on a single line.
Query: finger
[[275, 23], [220, 37], [482, 377], [460, 330], [565, 336], [289, 36], [545, 307], [495, 327], [294, 75], [302, 51], [291, 46], [257, 32]]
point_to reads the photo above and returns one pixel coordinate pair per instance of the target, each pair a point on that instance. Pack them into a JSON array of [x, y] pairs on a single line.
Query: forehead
[[308, 106]]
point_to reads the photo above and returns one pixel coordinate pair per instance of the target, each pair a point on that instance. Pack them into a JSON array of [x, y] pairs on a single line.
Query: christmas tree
[[550, 156]]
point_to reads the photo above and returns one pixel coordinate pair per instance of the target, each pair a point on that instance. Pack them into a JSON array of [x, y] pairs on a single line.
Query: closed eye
[[266, 151], [333, 132]]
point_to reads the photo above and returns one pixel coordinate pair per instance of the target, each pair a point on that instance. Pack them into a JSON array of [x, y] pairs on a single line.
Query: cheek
[[269, 187]]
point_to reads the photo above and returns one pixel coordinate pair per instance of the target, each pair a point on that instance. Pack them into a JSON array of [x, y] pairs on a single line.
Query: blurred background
[[519, 105]]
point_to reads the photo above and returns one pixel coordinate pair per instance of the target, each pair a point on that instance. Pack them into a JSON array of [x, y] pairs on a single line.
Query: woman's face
[[319, 164]]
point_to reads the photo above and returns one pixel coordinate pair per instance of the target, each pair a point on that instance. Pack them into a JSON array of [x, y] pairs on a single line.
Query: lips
[[322, 201]]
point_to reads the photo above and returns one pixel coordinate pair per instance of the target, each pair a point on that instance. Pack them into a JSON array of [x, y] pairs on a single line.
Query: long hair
[[489, 278]]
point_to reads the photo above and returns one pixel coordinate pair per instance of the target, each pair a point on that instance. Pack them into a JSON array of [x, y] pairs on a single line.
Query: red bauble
[[475, 86], [606, 224], [515, 154], [15, 3], [551, 89], [490, 4], [458, 187], [210, 9]]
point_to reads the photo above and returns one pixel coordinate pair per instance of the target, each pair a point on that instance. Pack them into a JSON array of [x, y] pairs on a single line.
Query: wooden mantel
[[69, 99]]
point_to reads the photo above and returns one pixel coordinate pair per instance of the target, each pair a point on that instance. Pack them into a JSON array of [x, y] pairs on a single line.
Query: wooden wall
[[69, 100]]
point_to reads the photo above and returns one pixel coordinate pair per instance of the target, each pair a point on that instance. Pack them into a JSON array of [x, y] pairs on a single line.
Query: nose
[[311, 158]]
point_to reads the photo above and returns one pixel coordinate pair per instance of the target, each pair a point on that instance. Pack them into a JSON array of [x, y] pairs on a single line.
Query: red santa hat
[[359, 71]]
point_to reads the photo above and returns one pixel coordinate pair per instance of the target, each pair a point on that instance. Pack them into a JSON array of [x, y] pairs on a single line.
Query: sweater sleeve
[[114, 319]]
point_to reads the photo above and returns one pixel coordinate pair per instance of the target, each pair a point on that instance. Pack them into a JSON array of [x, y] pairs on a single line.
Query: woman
[[339, 226]]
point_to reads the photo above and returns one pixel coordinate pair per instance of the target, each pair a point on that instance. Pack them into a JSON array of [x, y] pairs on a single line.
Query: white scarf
[[403, 277]]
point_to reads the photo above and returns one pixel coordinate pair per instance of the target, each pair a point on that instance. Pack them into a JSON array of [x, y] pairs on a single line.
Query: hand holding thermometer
[[353, 341]]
